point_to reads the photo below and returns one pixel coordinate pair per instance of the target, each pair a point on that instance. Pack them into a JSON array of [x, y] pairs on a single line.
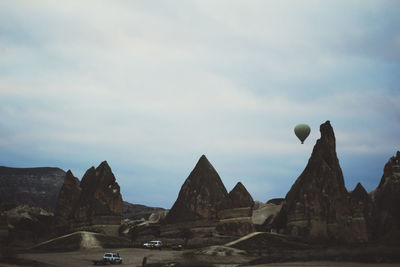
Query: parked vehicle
[[153, 244], [109, 258]]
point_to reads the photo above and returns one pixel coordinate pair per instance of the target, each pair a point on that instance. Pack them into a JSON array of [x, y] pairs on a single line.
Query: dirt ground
[[325, 264], [84, 257], [134, 257]]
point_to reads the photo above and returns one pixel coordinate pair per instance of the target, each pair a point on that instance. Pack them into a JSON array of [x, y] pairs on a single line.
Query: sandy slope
[[89, 241], [242, 239]]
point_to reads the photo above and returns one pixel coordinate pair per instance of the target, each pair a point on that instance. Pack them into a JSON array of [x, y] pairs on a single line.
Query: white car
[[112, 258], [153, 244]]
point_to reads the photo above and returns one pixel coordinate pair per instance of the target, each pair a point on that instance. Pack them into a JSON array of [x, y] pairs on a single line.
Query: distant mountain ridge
[[40, 187], [37, 187], [138, 211]]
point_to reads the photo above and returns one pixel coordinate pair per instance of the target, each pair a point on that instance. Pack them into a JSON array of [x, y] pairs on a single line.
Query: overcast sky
[[150, 86]]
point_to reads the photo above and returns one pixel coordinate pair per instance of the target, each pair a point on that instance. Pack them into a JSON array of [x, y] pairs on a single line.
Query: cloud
[[150, 87]]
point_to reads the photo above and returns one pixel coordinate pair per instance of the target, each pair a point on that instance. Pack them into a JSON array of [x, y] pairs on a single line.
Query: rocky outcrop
[[28, 224], [100, 197], [236, 220], [276, 201], [240, 197], [67, 201], [316, 207], [38, 187], [137, 211], [201, 197], [361, 210], [205, 208], [387, 199], [264, 214], [93, 204], [158, 216]]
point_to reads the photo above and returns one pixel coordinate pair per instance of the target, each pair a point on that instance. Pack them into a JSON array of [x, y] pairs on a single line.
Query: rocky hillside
[[37, 187]]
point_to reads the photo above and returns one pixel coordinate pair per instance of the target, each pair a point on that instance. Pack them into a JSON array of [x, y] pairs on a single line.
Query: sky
[[150, 86]]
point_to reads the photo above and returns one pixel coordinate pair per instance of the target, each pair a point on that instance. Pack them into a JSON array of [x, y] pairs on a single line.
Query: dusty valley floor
[[134, 257]]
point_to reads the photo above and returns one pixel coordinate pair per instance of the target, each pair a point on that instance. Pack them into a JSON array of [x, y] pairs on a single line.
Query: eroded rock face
[[94, 202], [276, 201], [240, 197], [264, 214], [158, 215], [387, 199], [201, 197], [100, 195], [67, 201], [235, 228], [28, 223], [316, 207], [137, 211], [361, 210]]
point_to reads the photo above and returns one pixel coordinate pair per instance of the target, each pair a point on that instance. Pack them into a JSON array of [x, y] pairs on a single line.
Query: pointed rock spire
[[316, 206], [70, 179], [361, 212], [240, 197], [66, 203], [359, 193], [100, 194], [201, 197]]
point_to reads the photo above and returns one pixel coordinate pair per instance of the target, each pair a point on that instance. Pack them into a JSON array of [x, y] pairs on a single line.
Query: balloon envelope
[[302, 131]]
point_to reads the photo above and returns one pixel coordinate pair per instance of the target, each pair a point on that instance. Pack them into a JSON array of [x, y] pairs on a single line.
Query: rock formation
[[240, 197], [201, 197], [276, 201], [137, 211], [93, 204], [236, 220], [361, 210], [316, 207], [37, 187], [100, 196], [28, 224], [264, 214], [204, 207], [387, 199], [67, 201]]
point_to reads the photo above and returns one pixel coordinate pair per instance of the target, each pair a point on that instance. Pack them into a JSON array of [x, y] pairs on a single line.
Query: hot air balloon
[[302, 131]]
